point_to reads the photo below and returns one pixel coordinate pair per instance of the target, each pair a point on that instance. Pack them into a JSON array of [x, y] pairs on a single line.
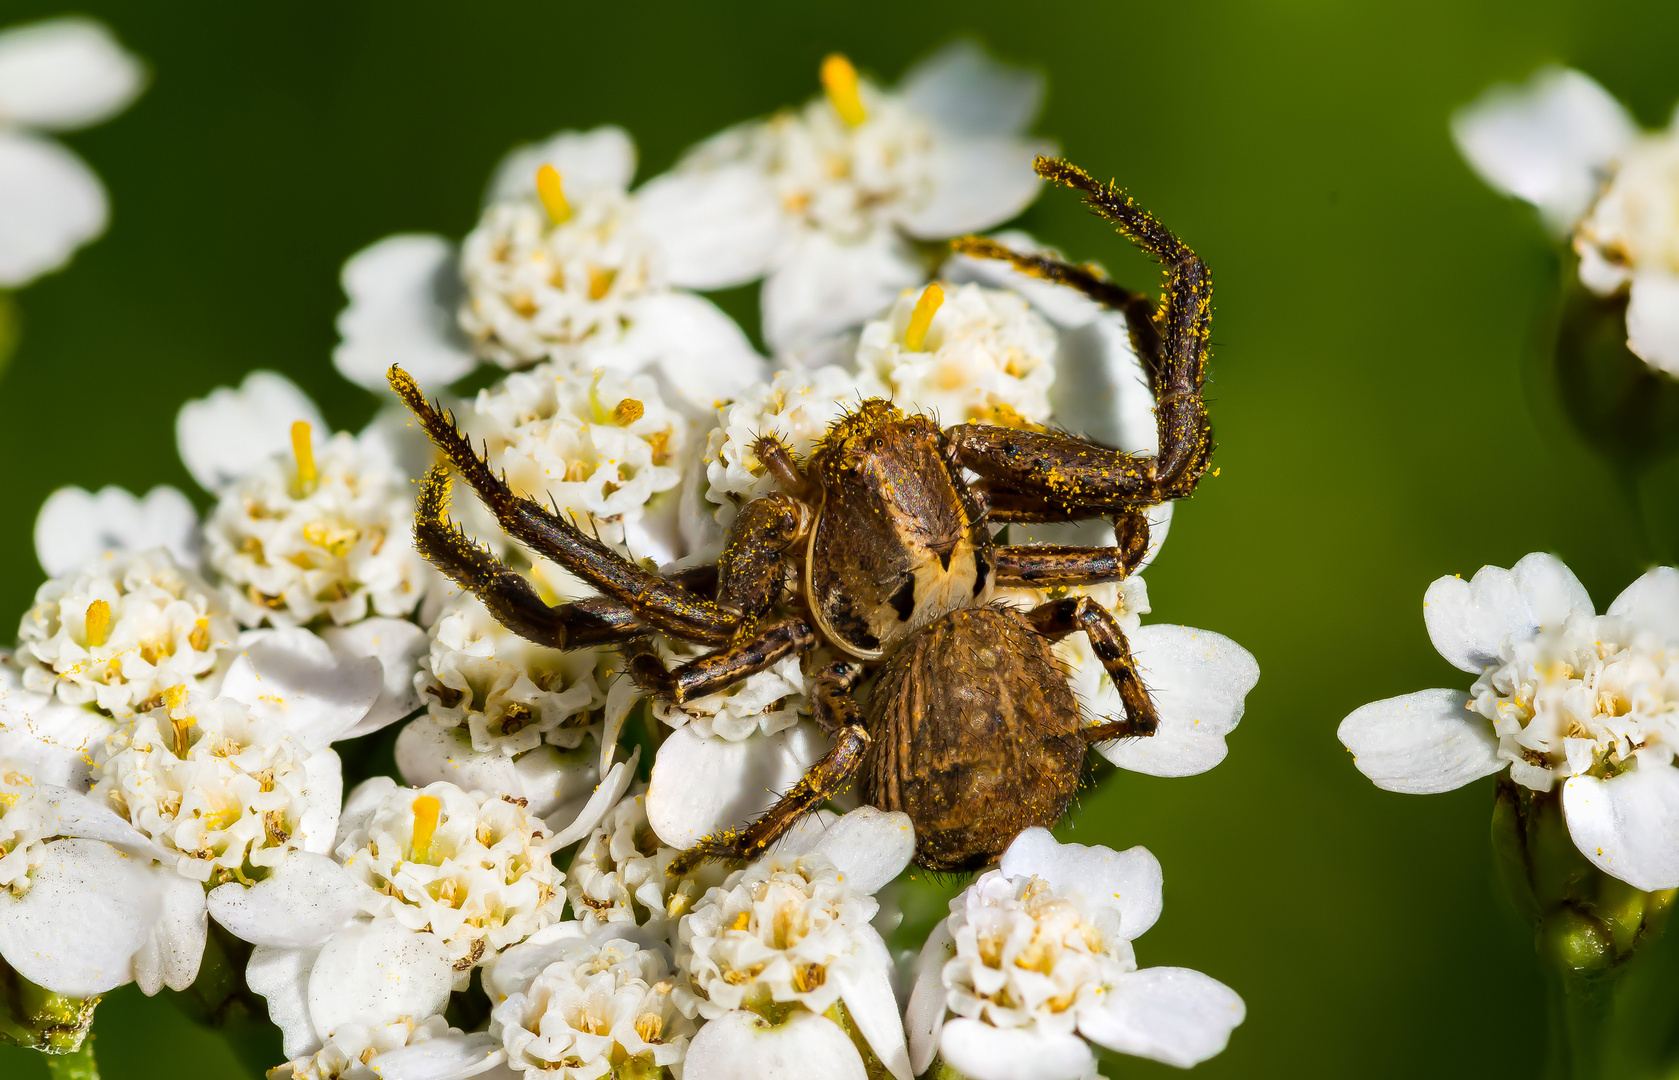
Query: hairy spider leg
[[1052, 476], [837, 712], [753, 568], [778, 460], [717, 669], [657, 601], [1058, 618], [1044, 566]]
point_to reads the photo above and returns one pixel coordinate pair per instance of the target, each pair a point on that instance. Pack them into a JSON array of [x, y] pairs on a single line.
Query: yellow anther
[[304, 451], [98, 620], [426, 811], [600, 282], [628, 411], [839, 79], [552, 194], [921, 319], [175, 697]]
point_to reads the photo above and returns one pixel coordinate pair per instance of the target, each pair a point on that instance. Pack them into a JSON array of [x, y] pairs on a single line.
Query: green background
[[1380, 389]]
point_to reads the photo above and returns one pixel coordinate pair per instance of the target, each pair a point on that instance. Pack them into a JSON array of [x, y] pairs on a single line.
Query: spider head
[[873, 441]]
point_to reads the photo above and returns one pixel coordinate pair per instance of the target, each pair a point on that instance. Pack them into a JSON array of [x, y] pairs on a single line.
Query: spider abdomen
[[975, 736]]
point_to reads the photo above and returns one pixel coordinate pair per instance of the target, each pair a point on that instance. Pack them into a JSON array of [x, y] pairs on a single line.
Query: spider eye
[[878, 443]]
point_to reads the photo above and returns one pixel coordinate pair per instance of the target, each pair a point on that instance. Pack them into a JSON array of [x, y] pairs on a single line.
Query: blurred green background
[[1381, 389]]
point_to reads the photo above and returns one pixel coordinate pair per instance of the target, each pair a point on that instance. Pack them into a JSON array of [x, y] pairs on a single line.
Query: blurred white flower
[[1036, 958], [58, 74], [403, 1049], [74, 526], [230, 433], [1562, 694], [1562, 143]]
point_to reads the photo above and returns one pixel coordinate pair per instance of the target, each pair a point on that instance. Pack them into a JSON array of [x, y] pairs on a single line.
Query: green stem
[[78, 1064], [1582, 1027]]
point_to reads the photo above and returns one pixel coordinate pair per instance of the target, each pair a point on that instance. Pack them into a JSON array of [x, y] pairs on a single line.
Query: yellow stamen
[[921, 319], [175, 697], [304, 451], [98, 620], [839, 79], [628, 411], [426, 810], [552, 194]]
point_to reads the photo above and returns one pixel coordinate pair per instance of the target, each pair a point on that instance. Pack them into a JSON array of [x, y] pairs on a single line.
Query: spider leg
[[837, 712], [716, 669], [1050, 475], [785, 468], [1044, 566], [1058, 618], [751, 570], [660, 603]]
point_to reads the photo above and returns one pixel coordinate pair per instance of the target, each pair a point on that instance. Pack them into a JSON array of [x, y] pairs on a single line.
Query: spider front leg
[[1051, 476], [1044, 566], [1058, 618], [838, 713], [717, 669]]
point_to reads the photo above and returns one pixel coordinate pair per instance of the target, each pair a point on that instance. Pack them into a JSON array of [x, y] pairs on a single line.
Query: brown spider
[[970, 728]]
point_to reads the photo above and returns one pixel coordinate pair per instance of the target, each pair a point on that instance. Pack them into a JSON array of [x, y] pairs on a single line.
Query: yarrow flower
[[1562, 696], [1036, 959], [427, 1049]]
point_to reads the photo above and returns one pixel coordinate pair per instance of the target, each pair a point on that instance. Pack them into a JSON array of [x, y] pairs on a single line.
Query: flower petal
[[294, 678], [1653, 320], [601, 158], [1421, 743], [398, 645], [982, 1052], [867, 993], [229, 433], [51, 203], [1100, 388], [376, 973], [740, 1044], [175, 946], [1628, 826], [88, 909], [869, 846], [1169, 1014], [65, 73], [961, 89], [65, 812], [1470, 621], [363, 800], [1652, 602], [452, 1056], [55, 741], [606, 796], [76, 526], [1128, 881], [825, 286], [281, 976], [1549, 142], [715, 227], [1198, 681], [700, 353], [700, 785], [306, 898], [976, 183], [928, 998], [403, 293]]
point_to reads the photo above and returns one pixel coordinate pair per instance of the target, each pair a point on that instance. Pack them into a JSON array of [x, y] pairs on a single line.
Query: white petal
[[375, 973], [715, 227], [1421, 743], [825, 286], [306, 898], [959, 88], [293, 677], [282, 977], [739, 1044], [700, 785], [621, 697], [446, 1057], [869, 846], [1100, 388], [1470, 621], [65, 812], [403, 291], [76, 526], [700, 353], [868, 997], [88, 909], [600, 159], [1169, 1014], [323, 776], [547, 777], [1549, 142], [976, 183], [928, 998], [363, 800], [982, 1052], [54, 741], [51, 203], [1128, 881], [228, 433], [398, 645], [175, 946], [1653, 320], [606, 796], [1628, 826], [65, 73], [1198, 681], [1652, 602]]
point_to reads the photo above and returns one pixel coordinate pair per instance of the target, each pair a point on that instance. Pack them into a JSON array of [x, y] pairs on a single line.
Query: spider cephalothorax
[[970, 726]]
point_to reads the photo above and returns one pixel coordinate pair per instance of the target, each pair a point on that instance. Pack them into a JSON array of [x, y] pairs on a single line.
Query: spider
[[879, 548]]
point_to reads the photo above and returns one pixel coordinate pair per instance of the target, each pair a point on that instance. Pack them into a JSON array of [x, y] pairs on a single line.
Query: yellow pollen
[[426, 810], [175, 697], [548, 188], [628, 411], [304, 451], [98, 621], [921, 319], [839, 79]]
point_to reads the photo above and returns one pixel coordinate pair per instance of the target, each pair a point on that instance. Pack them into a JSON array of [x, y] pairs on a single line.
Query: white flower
[[577, 1006], [765, 702], [470, 868], [1036, 958], [619, 875], [74, 526], [794, 930], [122, 630], [403, 291], [1562, 694], [231, 433], [855, 176], [54, 742], [403, 1049], [23, 833], [58, 74], [1562, 143]]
